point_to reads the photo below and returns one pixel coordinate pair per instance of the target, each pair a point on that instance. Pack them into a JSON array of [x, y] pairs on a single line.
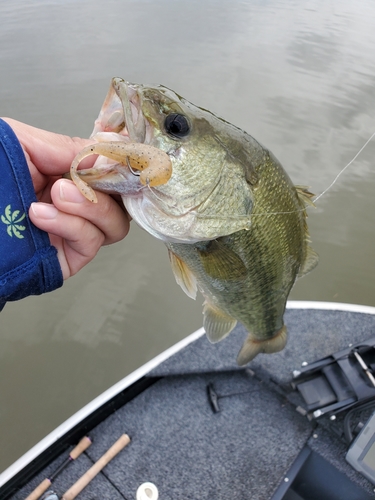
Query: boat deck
[[245, 450]]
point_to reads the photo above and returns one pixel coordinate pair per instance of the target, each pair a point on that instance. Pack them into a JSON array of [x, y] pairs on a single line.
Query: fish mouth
[[121, 116], [120, 119]]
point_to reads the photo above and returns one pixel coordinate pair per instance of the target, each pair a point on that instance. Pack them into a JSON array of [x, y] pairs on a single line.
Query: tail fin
[[252, 347]]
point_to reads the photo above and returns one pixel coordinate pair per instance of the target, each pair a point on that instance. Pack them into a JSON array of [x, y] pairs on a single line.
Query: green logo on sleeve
[[12, 220]]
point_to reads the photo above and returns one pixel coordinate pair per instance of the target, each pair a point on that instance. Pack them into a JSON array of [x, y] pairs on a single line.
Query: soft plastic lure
[[154, 164]]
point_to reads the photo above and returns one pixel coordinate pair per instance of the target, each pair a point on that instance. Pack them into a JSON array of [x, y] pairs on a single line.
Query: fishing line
[[328, 188], [275, 213], [343, 170]]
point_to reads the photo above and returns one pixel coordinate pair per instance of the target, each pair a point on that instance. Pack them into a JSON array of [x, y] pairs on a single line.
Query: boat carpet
[[190, 452], [243, 451], [312, 334]]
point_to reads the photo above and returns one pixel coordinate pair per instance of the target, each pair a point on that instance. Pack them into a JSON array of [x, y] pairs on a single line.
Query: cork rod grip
[[80, 448], [84, 480], [39, 490]]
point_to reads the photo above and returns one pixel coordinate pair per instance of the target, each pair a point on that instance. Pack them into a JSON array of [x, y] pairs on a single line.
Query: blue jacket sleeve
[[28, 262]]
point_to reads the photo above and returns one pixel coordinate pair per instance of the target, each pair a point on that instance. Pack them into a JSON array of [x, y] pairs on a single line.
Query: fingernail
[[44, 210], [69, 192]]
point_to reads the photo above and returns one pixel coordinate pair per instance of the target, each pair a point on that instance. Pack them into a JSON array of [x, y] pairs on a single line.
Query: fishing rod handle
[[75, 453], [39, 490], [80, 448], [84, 480]]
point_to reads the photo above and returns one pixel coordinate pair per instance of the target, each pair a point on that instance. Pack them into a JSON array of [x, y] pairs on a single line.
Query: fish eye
[[177, 125]]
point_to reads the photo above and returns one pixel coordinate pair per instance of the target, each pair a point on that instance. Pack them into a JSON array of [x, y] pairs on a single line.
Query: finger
[[76, 239], [78, 228], [51, 153], [107, 215]]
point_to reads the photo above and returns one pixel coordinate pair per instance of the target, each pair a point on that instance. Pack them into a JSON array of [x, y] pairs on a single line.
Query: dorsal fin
[[310, 262], [305, 195], [311, 257]]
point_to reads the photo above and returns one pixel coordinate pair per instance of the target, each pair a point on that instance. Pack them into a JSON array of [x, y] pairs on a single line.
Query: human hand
[[77, 228]]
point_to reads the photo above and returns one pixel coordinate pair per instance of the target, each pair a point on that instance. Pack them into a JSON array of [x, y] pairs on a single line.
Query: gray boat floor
[[244, 451]]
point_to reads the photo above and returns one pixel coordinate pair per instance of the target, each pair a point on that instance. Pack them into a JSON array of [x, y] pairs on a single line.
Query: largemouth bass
[[231, 218]]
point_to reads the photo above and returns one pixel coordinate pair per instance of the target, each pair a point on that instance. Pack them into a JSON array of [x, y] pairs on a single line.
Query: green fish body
[[233, 222]]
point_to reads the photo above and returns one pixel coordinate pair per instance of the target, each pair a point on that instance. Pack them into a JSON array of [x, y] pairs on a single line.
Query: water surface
[[298, 76]]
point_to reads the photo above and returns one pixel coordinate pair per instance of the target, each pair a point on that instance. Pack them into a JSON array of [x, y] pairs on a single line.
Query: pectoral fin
[[220, 262], [216, 323], [184, 277]]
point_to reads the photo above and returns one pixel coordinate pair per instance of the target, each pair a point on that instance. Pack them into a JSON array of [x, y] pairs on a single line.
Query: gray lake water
[[297, 75]]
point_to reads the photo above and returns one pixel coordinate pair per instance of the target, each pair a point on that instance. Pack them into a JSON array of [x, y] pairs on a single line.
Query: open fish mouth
[[127, 161], [121, 116]]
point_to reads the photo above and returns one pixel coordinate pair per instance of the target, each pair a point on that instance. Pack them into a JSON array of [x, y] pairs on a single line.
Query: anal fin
[[216, 323]]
